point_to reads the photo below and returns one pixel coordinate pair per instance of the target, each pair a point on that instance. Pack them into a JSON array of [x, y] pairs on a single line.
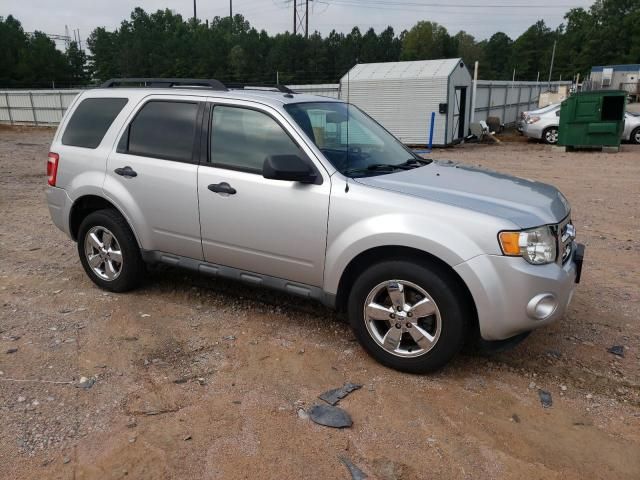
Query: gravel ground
[[199, 378]]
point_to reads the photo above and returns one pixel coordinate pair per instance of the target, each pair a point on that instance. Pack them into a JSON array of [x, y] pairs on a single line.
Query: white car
[[631, 132], [543, 124], [530, 113]]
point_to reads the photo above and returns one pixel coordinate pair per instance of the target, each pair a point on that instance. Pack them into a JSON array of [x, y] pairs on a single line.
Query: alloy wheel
[[402, 318], [551, 135], [103, 253]]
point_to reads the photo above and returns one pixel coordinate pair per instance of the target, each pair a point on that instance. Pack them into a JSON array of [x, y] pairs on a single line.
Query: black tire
[[635, 136], [441, 287], [545, 135], [132, 268]]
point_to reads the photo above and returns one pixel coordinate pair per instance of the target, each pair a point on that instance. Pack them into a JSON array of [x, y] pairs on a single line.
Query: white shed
[[402, 96]]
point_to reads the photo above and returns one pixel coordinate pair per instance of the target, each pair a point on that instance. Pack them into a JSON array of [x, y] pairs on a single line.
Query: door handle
[[223, 187], [126, 172]]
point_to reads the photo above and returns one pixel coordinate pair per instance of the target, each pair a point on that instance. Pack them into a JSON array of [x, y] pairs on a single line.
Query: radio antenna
[[346, 188]]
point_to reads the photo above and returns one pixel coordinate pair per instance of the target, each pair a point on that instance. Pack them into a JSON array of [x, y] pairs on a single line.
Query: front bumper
[[506, 291]]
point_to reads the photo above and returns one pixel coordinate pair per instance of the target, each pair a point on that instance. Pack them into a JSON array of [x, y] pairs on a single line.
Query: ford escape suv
[[311, 196]]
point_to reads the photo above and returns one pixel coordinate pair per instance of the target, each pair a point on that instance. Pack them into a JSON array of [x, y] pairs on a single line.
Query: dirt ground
[[203, 379]]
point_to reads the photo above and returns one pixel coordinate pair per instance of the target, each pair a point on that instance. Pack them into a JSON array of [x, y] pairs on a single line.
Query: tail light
[[52, 168]]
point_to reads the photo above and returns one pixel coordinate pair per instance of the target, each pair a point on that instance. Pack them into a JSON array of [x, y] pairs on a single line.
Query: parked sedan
[[530, 113], [543, 124], [631, 130]]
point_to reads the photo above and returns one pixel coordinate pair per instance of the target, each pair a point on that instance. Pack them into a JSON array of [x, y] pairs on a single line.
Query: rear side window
[[91, 120], [164, 129]]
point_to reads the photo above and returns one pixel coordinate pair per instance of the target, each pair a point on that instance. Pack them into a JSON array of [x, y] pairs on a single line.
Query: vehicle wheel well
[[83, 207], [378, 254]]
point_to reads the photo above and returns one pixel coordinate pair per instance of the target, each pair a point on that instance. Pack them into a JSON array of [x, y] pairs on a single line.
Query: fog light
[[542, 306]]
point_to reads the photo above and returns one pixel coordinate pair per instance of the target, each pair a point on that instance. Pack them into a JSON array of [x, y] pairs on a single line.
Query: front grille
[[566, 235]]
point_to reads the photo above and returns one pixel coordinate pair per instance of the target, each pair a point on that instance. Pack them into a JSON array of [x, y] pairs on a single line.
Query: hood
[[524, 202]]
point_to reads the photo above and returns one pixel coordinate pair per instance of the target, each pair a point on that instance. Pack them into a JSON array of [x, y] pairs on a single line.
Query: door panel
[[271, 227], [161, 200]]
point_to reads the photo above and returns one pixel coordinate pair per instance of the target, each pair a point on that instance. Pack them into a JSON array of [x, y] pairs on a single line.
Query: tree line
[[164, 44]]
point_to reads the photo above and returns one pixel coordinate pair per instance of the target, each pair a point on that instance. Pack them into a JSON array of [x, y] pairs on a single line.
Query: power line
[[392, 5]]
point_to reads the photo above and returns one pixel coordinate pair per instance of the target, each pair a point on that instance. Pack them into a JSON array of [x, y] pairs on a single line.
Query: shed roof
[[403, 70]]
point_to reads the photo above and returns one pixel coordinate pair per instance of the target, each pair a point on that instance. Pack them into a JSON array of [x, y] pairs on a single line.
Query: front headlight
[[531, 120], [536, 245]]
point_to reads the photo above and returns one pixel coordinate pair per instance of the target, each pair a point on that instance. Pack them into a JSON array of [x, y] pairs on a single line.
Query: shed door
[[459, 112]]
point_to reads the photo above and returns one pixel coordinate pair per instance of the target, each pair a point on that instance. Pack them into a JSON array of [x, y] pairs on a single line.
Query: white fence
[[505, 99], [46, 107], [501, 99], [34, 107]]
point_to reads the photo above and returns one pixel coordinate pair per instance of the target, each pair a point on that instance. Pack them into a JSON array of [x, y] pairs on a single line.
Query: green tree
[[77, 61], [531, 52], [14, 44], [427, 41], [468, 48], [497, 54]]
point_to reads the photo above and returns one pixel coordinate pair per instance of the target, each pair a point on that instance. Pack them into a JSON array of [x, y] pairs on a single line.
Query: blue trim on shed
[[632, 67]]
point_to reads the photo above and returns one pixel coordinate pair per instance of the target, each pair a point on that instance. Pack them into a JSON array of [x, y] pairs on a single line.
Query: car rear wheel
[[407, 315], [550, 135], [635, 136], [109, 252]]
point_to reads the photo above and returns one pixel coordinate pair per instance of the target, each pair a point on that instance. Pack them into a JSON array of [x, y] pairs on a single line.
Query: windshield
[[351, 140]]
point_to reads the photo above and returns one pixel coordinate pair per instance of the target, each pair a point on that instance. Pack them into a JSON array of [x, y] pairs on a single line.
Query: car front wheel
[[550, 136], [407, 315], [635, 136]]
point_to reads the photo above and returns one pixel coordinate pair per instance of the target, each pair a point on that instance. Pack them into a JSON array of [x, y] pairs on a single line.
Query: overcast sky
[[481, 18]]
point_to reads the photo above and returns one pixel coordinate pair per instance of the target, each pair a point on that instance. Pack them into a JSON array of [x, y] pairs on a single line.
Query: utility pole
[[195, 16], [231, 9], [306, 20], [553, 56], [295, 16]]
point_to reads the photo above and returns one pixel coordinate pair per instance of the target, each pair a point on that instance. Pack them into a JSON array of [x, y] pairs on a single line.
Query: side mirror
[[288, 167], [557, 113]]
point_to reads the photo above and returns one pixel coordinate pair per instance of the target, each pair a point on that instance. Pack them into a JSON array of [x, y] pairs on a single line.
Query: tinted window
[[242, 139], [164, 129], [91, 120]]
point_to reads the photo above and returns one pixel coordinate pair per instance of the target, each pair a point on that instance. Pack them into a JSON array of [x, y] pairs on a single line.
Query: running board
[[243, 276]]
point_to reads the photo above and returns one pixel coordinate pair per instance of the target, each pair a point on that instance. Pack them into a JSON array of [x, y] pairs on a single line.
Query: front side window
[[353, 142], [91, 120], [242, 138], [164, 129]]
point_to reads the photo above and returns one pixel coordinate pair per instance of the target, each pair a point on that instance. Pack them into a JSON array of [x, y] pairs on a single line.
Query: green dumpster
[[592, 119]]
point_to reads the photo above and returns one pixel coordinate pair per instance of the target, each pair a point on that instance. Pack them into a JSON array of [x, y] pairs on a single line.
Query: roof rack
[[252, 86], [167, 82]]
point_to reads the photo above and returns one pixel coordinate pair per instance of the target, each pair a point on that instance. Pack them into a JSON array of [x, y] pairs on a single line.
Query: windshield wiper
[[381, 167], [417, 162]]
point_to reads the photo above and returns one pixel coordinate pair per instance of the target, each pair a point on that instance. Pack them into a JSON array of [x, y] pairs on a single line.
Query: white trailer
[[402, 96]]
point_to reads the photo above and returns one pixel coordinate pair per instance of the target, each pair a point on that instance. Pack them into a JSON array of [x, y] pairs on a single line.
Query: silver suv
[[310, 196]]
